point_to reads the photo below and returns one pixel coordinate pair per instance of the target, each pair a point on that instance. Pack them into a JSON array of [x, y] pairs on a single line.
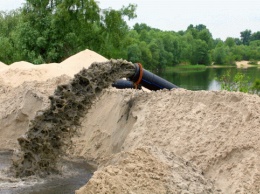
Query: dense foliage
[[52, 30], [46, 31]]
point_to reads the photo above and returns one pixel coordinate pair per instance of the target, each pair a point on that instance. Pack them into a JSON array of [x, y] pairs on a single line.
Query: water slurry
[[50, 133]]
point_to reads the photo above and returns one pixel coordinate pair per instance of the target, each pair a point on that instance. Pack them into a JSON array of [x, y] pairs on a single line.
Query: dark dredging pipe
[[150, 80], [123, 84]]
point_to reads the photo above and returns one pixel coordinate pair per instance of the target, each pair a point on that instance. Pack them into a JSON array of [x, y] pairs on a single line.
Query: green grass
[[253, 63], [186, 68]]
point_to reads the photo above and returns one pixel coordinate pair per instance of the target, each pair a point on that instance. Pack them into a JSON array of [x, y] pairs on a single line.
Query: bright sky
[[224, 18]]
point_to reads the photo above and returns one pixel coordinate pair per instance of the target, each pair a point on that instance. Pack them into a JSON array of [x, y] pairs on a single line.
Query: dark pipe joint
[[150, 80]]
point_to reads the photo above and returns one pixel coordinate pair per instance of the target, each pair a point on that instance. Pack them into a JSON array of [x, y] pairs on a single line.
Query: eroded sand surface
[[175, 141], [50, 132]]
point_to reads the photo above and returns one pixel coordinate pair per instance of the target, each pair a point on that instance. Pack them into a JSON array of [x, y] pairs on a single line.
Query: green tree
[[134, 53], [154, 48], [238, 41], [172, 45], [141, 27], [186, 48], [54, 30], [200, 53], [237, 51], [245, 37], [6, 50], [219, 55], [114, 31], [230, 42], [200, 27], [255, 36], [193, 31], [8, 25], [206, 36], [147, 57]]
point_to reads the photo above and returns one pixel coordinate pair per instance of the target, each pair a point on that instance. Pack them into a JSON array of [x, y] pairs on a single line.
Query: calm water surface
[[207, 79]]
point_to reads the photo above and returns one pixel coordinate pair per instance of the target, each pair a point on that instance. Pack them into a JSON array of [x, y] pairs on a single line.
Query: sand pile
[[216, 132], [20, 72], [2, 65], [175, 141], [51, 130], [20, 104], [24, 89]]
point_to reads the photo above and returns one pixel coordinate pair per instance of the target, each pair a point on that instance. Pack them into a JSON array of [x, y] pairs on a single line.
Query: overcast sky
[[224, 18]]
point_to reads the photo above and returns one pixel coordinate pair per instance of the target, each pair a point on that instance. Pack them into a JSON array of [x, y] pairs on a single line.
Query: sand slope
[[218, 132], [175, 141], [2, 65], [20, 72]]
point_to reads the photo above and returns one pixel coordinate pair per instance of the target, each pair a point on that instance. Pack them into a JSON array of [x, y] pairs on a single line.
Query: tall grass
[[185, 68]]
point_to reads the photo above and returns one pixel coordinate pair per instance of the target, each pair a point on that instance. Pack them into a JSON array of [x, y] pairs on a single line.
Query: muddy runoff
[[50, 133]]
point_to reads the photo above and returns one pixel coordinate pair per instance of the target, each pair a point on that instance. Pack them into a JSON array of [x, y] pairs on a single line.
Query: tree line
[[45, 31]]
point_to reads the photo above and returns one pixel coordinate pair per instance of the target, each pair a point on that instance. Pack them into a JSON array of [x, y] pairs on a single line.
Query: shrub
[[239, 83]]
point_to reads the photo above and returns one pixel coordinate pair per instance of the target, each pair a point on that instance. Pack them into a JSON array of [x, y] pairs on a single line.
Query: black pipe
[[150, 80], [122, 84]]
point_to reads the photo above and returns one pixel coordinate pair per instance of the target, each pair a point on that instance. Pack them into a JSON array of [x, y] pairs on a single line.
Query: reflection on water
[[208, 79], [214, 85], [76, 174]]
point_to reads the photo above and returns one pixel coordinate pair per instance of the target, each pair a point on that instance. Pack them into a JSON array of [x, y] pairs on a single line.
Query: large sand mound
[[20, 72], [175, 141], [2, 65]]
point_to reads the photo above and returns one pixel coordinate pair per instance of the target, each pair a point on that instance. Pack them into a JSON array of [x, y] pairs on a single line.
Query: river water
[[75, 175], [206, 79]]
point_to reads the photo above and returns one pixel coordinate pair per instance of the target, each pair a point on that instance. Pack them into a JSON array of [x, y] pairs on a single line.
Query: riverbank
[[185, 68], [239, 64], [246, 64], [145, 142]]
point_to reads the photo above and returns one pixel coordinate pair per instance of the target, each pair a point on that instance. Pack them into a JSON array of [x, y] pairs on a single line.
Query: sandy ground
[[245, 64], [175, 141]]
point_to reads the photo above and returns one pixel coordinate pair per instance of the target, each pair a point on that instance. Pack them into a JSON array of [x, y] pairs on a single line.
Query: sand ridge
[[20, 72]]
